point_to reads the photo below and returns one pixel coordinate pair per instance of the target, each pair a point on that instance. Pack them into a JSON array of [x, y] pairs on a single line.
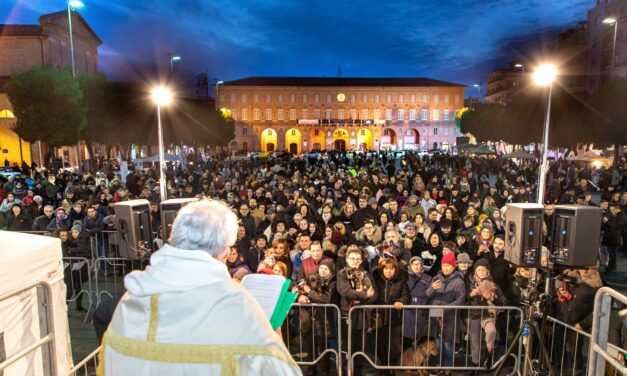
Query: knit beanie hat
[[337, 238], [77, 227], [449, 258], [482, 262], [240, 273]]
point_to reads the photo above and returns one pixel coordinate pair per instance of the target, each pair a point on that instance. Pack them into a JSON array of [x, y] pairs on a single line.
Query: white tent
[[25, 260], [586, 156], [168, 158]]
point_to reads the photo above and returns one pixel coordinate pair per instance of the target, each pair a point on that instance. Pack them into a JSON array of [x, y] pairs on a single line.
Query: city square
[[280, 189]]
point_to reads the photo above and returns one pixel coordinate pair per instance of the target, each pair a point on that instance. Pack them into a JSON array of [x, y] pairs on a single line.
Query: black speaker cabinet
[[135, 235], [523, 234], [576, 235], [169, 209]]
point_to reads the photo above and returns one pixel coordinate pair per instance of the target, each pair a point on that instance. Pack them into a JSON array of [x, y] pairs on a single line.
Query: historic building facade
[[25, 46], [301, 114]]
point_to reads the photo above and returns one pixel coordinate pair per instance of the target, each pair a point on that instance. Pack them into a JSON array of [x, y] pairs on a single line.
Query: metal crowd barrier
[[104, 244], [109, 275], [569, 350], [78, 272], [599, 349], [424, 337], [45, 343], [87, 366], [312, 334]]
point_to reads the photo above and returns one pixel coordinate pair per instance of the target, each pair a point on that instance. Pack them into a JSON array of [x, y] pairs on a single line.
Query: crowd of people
[[362, 229]]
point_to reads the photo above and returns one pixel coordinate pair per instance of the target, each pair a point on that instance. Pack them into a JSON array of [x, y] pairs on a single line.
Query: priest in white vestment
[[184, 315]]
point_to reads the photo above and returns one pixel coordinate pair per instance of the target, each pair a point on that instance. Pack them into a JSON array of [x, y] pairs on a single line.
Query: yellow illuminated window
[[6, 114]]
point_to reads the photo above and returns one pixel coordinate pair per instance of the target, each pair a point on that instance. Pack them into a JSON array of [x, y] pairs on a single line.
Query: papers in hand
[[272, 294]]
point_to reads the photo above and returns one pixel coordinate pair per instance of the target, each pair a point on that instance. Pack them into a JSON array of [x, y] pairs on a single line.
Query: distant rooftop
[[20, 30], [340, 81]]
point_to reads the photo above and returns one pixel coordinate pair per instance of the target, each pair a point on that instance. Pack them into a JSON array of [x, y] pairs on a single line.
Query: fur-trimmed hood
[[594, 280], [376, 238]]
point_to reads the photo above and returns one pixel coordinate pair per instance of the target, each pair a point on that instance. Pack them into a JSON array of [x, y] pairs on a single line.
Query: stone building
[[600, 42], [301, 114], [503, 84], [48, 43]]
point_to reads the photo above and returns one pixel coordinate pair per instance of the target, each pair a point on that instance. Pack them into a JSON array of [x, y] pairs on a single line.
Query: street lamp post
[[173, 58], [544, 76], [218, 83], [162, 96], [478, 86], [612, 21], [71, 4]]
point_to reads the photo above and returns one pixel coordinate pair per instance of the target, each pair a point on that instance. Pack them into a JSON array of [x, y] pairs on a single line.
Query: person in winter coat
[[391, 290], [41, 223], [310, 265], [575, 308], [483, 292], [433, 254], [8, 203], [355, 287], [320, 289], [447, 288], [60, 221], [415, 320], [78, 246], [18, 219], [614, 224]]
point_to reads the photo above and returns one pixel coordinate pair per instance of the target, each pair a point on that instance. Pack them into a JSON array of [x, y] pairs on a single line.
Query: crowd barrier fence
[[44, 345], [600, 350], [427, 337], [78, 272], [312, 334], [109, 275], [87, 366]]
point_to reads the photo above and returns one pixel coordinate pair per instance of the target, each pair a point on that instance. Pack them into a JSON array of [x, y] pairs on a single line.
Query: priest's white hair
[[205, 225]]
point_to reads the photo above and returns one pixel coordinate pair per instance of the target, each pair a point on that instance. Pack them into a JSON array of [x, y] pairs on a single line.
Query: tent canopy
[[589, 155], [520, 154], [483, 149]]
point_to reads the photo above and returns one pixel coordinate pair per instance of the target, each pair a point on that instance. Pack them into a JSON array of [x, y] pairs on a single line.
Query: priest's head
[[208, 226]]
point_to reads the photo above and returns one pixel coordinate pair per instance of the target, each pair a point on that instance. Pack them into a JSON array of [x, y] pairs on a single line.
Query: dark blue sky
[[453, 40]]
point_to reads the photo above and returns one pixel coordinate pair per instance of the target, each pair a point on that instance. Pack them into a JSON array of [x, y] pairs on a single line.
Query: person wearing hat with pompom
[[447, 288], [483, 292]]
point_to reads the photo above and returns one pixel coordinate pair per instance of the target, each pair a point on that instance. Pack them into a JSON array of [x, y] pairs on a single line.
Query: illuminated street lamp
[[478, 91], [173, 58], [522, 67], [74, 4], [612, 21], [71, 5], [162, 96], [544, 76], [218, 83]]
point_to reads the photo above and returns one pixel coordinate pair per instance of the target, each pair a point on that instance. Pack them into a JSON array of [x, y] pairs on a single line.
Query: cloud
[[457, 40]]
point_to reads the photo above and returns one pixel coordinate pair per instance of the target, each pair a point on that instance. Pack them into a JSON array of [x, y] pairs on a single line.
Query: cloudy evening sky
[[453, 40]]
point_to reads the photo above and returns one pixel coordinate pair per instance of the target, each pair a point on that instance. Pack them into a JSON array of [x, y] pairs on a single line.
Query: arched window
[[6, 114]]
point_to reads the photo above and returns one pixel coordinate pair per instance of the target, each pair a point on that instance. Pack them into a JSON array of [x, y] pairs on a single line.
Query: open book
[[272, 294]]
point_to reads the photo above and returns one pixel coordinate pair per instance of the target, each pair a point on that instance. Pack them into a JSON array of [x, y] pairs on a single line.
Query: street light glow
[[545, 74], [476, 85], [176, 58], [219, 82], [76, 4], [609, 21], [518, 65], [161, 96]]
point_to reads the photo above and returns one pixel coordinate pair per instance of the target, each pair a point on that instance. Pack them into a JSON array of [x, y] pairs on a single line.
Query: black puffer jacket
[[390, 291], [578, 310]]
